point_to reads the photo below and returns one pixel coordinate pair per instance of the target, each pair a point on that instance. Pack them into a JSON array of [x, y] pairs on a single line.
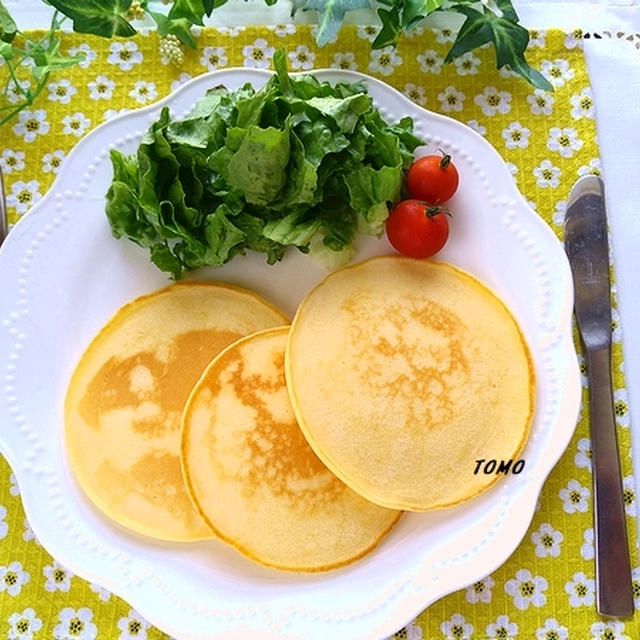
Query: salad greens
[[297, 162]]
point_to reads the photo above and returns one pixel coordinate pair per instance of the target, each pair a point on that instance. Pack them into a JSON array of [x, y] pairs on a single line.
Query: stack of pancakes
[[200, 411]]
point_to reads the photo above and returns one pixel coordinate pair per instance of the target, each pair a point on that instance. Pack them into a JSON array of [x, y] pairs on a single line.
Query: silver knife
[[586, 244]]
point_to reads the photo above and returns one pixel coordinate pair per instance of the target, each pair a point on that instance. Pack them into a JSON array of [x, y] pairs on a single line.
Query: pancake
[[124, 403], [403, 374], [253, 476]]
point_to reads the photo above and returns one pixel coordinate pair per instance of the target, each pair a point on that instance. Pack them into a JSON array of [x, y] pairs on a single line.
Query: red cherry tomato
[[416, 229], [433, 178]]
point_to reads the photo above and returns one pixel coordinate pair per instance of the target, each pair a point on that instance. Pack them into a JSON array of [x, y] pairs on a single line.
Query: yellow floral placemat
[[545, 591]]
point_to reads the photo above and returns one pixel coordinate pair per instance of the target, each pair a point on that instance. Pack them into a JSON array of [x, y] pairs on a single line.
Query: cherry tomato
[[416, 229], [433, 178]]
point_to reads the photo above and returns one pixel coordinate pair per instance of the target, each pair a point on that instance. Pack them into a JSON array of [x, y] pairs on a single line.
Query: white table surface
[[614, 69]]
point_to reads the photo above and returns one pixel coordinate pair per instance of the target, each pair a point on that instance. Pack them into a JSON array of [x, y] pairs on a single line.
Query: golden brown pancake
[[402, 374], [253, 476], [124, 403]]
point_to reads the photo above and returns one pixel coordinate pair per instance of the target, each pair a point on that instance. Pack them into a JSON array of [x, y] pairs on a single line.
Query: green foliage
[[8, 27], [501, 29], [492, 22], [99, 17], [26, 81], [331, 15]]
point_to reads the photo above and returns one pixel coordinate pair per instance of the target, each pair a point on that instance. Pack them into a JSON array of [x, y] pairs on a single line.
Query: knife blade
[[586, 245]]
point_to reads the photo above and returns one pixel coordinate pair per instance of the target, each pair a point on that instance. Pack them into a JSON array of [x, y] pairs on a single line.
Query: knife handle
[[614, 596]]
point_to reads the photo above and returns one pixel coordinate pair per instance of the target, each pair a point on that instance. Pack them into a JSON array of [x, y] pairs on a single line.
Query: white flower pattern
[[493, 101], [23, 195], [621, 408], [547, 541], [552, 630], [15, 91], [547, 174], [124, 55], [557, 71], [581, 590], [24, 625], [31, 124], [564, 140], [451, 99], [101, 88], [258, 54], [103, 594], [11, 160], [85, 52], [502, 629], [75, 624], [480, 591], [629, 495], [430, 61], [557, 218], [516, 136], [582, 105], [456, 628], [13, 577], [133, 627], [75, 124], [61, 91], [213, 58], [143, 91], [58, 578], [415, 93], [384, 61], [582, 458], [344, 60], [540, 103], [282, 30], [575, 497], [301, 58], [368, 32], [526, 589], [592, 168], [587, 550], [467, 64], [608, 630]]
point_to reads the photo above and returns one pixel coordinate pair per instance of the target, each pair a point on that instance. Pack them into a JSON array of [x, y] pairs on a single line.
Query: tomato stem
[[433, 210], [446, 159]]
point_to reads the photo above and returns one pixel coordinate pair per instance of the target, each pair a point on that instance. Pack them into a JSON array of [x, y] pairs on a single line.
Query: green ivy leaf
[[330, 14], [509, 39], [99, 17], [210, 5], [390, 29], [8, 27], [191, 10], [402, 16], [416, 10]]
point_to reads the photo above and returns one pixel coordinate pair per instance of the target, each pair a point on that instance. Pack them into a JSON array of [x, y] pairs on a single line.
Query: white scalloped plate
[[63, 275]]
